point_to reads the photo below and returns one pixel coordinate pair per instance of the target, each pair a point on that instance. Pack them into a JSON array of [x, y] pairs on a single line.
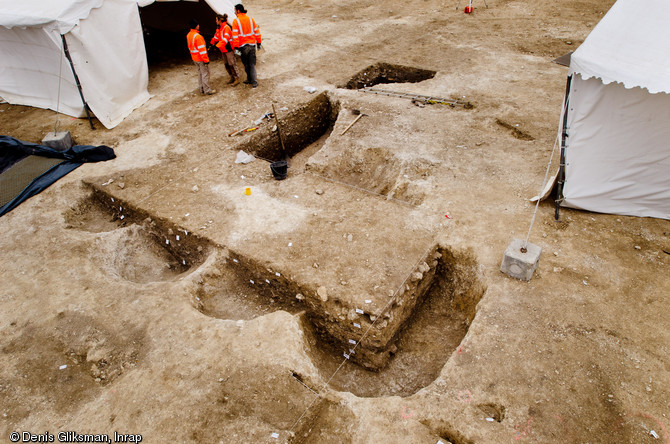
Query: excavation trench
[[391, 277], [433, 325], [397, 349], [429, 335], [388, 73], [299, 129], [134, 245]]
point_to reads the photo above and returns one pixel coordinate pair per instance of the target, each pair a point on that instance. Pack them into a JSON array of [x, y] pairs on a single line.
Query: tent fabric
[[13, 150], [173, 16], [617, 144], [618, 154], [116, 81], [34, 71], [629, 46], [105, 42], [218, 6], [59, 15], [106, 45]]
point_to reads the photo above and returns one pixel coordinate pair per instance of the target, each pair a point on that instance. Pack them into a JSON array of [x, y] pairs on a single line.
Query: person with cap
[[198, 49], [246, 39], [223, 40]]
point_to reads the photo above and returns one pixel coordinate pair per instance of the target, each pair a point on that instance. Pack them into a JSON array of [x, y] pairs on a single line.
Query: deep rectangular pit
[[299, 128], [380, 73]]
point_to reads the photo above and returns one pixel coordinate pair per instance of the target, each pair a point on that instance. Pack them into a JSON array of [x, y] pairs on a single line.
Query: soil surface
[[152, 295]]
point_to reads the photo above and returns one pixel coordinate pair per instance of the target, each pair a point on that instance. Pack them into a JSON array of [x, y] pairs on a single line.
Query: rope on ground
[[383, 196], [328, 179], [208, 160]]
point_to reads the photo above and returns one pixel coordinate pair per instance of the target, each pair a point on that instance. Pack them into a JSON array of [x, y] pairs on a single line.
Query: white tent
[[616, 145], [104, 40]]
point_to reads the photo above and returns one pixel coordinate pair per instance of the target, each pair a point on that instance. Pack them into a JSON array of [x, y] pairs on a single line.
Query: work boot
[[232, 80], [211, 91], [236, 81]]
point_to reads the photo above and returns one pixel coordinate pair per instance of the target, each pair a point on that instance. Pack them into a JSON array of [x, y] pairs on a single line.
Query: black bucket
[[279, 169]]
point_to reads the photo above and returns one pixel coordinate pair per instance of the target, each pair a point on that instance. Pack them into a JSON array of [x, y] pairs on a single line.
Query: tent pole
[[76, 79], [564, 137]]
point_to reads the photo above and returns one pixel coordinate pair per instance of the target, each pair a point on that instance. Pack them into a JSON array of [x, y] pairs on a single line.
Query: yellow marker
[[247, 191]]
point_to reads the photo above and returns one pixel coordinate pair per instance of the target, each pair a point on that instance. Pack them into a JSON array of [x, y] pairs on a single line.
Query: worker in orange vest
[[246, 38], [223, 40], [196, 45]]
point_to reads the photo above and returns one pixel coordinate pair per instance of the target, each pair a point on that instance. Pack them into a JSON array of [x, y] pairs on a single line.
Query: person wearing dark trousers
[[246, 39]]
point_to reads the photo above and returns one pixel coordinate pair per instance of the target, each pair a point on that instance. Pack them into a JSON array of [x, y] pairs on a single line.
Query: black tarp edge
[[15, 149]]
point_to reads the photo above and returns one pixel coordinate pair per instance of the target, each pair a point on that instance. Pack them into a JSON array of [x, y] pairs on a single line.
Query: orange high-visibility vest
[[196, 44], [245, 31], [222, 36]]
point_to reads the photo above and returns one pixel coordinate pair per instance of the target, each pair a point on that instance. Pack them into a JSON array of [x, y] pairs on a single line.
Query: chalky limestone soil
[[104, 327]]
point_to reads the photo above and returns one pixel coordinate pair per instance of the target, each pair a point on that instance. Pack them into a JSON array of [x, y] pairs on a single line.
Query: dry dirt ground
[[138, 314]]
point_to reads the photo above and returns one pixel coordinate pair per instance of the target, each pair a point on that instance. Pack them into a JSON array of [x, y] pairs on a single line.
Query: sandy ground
[[104, 329]]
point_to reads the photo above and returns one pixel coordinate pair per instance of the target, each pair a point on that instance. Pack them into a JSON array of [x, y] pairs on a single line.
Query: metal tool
[[360, 114], [245, 130], [417, 97]]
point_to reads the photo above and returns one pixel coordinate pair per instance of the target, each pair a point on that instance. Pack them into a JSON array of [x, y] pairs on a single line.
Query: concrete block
[[520, 265], [61, 141]]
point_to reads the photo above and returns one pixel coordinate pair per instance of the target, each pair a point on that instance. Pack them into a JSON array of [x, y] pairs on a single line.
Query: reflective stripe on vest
[[192, 45], [241, 29], [248, 36], [225, 34], [198, 50]]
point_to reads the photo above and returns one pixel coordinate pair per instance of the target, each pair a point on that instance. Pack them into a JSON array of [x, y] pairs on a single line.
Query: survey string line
[[544, 184]]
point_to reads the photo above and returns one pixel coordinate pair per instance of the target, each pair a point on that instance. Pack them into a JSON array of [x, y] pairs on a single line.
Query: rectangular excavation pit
[[373, 330], [439, 320], [299, 128], [349, 254], [388, 73]]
